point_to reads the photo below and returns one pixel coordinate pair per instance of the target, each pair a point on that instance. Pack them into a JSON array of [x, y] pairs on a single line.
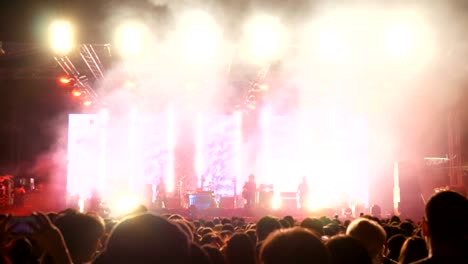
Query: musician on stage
[[161, 194], [249, 192], [303, 192]]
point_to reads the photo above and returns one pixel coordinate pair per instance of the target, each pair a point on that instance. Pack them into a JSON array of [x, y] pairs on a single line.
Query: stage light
[[200, 36], [330, 37], [399, 41], [332, 45], [251, 106], [129, 40], [65, 80], [76, 92], [407, 37], [238, 145], [130, 84], [87, 103], [263, 87], [103, 120], [81, 204], [126, 204], [276, 202], [61, 37], [265, 38], [171, 140], [199, 157]]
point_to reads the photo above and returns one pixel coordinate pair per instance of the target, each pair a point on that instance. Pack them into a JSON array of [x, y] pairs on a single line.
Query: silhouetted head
[[394, 246], [293, 245], [214, 254], [313, 224], [370, 234], [82, 234], [146, 238], [265, 226], [447, 217], [290, 219], [347, 250], [240, 250], [413, 249]]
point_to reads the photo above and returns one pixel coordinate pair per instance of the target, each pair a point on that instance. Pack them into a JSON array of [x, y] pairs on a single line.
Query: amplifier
[[203, 200], [288, 200]]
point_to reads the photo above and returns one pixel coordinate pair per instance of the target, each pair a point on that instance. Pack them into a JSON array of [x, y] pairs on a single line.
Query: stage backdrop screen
[[121, 155]]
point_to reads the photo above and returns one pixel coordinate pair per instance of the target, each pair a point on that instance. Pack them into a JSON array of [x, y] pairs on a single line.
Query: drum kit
[[189, 196]]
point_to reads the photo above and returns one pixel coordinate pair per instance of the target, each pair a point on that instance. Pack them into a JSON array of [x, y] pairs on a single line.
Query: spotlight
[[251, 106], [263, 87], [276, 203], [266, 38], [200, 36], [399, 41], [87, 103], [126, 204], [76, 93], [61, 37], [327, 39], [65, 80], [408, 37], [130, 84], [332, 46], [129, 40]]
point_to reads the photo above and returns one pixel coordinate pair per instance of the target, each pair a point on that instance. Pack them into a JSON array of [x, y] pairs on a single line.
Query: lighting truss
[[93, 63], [88, 68]]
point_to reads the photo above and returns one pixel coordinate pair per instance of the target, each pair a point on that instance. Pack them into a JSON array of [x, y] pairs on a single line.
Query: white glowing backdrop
[[119, 156]]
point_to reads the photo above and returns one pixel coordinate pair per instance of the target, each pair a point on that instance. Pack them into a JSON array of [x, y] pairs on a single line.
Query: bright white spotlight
[[407, 37], [266, 37], [81, 204], [325, 40], [129, 39], [61, 37], [200, 36], [332, 45], [125, 205], [399, 41], [276, 202]]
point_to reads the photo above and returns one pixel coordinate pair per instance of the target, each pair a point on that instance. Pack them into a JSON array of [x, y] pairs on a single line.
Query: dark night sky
[[31, 107]]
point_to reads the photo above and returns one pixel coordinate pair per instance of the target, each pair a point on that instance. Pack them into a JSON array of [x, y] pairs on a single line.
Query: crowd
[[73, 237]]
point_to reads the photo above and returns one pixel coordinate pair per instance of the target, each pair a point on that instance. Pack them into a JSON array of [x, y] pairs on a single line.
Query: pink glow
[[171, 146], [199, 160], [238, 147], [331, 151], [103, 117], [133, 151]]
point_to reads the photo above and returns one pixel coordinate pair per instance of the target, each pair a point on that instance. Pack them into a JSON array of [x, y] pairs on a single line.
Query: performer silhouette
[[161, 194], [249, 192]]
